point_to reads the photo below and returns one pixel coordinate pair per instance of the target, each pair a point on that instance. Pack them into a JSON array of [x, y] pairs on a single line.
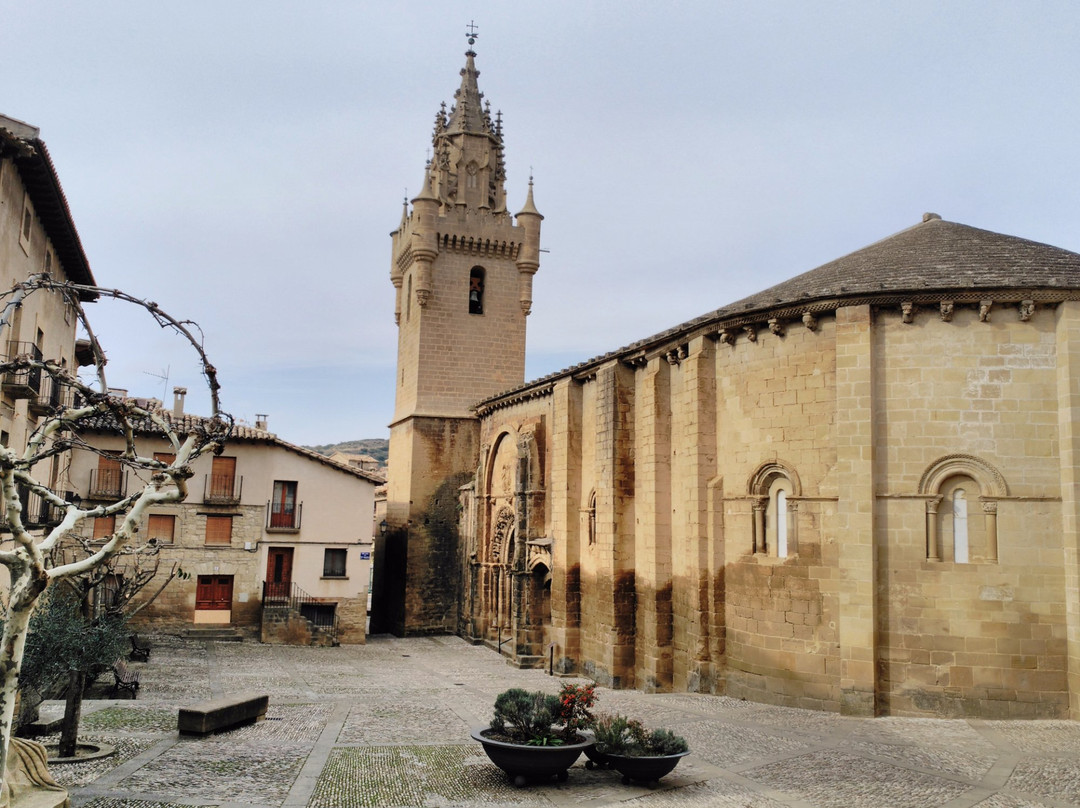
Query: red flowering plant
[[575, 702]]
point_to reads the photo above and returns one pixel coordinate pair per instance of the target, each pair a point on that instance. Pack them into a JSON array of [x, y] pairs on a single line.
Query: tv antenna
[[163, 377]]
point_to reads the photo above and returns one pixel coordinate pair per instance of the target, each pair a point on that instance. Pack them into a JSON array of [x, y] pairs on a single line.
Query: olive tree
[[73, 404]]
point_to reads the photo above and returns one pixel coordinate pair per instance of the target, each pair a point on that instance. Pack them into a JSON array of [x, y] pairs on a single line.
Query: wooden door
[[279, 572], [214, 592]]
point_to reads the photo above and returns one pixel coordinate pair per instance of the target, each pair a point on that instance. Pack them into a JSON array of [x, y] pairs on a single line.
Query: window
[[476, 290], [334, 563], [592, 518], [957, 488], [104, 527], [773, 488], [160, 528], [107, 480], [168, 458], [283, 510], [218, 529], [223, 480], [47, 266], [27, 224]]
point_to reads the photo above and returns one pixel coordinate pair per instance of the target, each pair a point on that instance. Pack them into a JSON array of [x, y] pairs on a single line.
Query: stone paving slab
[[386, 724]]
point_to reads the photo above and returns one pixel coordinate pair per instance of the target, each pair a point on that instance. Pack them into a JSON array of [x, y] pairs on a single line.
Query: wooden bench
[[140, 648], [125, 679], [220, 714]]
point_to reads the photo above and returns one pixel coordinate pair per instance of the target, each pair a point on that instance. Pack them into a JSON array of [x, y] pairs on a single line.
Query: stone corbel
[[776, 326], [672, 357], [984, 310], [908, 309], [946, 311], [809, 320], [1027, 309], [725, 336], [751, 332]]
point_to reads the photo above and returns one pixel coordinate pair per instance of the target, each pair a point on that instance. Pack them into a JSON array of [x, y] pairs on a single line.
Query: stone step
[[213, 634]]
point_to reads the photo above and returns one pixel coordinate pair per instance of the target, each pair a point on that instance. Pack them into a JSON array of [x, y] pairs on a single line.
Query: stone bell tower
[[462, 270]]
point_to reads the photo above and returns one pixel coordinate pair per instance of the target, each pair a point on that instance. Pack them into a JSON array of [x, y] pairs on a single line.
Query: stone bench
[[224, 713]]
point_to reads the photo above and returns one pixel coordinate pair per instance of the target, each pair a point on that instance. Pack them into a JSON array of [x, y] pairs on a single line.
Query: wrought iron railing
[[222, 489], [288, 596], [279, 518], [23, 383], [108, 483]]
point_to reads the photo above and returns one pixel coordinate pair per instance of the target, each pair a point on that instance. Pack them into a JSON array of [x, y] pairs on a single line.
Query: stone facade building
[[858, 490], [37, 235], [277, 539]]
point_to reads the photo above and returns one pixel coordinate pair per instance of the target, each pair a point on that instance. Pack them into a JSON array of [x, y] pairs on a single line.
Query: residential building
[[276, 538], [37, 235]]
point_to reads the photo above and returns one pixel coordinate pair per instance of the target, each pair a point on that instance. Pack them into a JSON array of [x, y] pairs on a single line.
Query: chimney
[[178, 401], [260, 421]]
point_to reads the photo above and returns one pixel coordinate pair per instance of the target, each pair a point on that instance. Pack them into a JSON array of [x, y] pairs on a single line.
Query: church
[[855, 491]]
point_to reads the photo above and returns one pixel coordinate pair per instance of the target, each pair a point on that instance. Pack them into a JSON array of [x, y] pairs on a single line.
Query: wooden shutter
[[104, 526], [161, 527], [218, 529]]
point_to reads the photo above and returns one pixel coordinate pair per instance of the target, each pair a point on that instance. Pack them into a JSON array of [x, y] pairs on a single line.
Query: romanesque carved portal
[[510, 579]]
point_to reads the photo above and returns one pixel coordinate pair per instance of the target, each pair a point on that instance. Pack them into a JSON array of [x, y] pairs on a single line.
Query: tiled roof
[[20, 142], [187, 423], [933, 257]]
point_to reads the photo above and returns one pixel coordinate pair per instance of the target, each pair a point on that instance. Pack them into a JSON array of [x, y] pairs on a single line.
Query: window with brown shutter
[[223, 478], [104, 527], [218, 529], [160, 528]]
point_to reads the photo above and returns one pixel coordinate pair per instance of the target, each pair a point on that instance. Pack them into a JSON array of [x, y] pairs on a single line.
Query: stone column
[[694, 567], [564, 487], [855, 508], [1068, 378], [653, 551]]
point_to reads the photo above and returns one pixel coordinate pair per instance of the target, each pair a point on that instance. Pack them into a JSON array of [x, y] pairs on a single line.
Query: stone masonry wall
[[985, 638]]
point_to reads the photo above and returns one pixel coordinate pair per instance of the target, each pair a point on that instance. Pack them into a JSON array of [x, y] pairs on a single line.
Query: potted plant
[[635, 752], [535, 735]]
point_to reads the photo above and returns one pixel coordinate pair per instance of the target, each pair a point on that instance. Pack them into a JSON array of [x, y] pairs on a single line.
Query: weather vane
[[471, 33]]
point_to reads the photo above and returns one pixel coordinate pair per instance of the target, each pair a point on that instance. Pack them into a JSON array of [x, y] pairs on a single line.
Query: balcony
[[107, 483], [283, 520], [22, 383], [37, 512], [52, 397], [222, 489]]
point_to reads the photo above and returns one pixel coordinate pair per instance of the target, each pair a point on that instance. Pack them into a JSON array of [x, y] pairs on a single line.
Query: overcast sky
[[242, 163]]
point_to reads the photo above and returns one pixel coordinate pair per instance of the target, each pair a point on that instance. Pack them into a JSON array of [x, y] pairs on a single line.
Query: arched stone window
[[962, 495], [772, 489], [476, 290]]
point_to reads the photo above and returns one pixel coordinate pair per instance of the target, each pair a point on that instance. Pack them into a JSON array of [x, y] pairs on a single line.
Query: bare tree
[[58, 434]]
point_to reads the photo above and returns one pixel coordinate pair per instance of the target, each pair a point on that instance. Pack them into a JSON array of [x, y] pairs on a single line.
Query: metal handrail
[[288, 596]]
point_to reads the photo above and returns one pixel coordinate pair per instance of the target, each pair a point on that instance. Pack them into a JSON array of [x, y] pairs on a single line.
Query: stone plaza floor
[[387, 723]]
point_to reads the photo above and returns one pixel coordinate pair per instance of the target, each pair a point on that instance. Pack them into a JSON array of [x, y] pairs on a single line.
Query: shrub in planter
[[533, 735], [637, 753]]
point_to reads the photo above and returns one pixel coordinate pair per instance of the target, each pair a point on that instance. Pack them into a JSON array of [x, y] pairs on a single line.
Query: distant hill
[[379, 448]]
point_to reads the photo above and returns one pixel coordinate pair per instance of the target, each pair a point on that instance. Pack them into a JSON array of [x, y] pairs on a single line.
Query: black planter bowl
[[644, 769], [596, 759], [524, 763]]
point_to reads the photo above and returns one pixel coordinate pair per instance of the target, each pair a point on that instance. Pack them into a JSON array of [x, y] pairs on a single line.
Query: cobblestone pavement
[[386, 724]]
